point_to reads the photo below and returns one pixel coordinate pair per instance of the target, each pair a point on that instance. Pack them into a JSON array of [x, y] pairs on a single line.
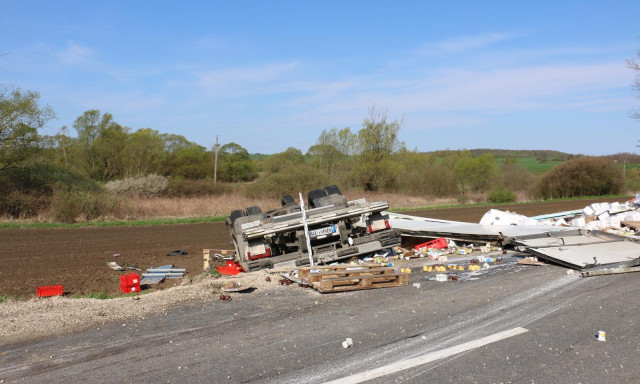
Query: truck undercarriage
[[337, 229]]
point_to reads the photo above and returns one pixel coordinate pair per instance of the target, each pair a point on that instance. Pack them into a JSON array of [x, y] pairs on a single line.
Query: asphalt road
[[294, 335]]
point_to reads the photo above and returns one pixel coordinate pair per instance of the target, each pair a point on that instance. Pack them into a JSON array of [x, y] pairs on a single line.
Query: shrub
[[147, 186], [431, 180], [583, 176], [27, 192], [501, 196], [289, 181], [516, 178]]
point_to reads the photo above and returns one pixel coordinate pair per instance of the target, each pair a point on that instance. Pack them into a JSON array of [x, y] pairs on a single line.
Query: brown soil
[[77, 257]]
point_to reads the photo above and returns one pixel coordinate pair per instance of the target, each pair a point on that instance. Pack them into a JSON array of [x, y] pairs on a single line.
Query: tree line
[[372, 158]]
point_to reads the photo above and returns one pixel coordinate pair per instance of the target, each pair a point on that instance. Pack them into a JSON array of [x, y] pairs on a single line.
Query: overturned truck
[[337, 229]]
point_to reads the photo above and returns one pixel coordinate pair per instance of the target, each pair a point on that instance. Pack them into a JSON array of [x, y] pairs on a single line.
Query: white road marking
[[429, 357]]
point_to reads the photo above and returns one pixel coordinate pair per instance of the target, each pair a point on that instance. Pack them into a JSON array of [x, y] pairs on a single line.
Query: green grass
[[5, 298], [534, 166], [118, 223], [105, 296]]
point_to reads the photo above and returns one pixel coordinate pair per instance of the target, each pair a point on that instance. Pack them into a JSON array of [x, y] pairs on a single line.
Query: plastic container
[[439, 243], [130, 282], [49, 290]]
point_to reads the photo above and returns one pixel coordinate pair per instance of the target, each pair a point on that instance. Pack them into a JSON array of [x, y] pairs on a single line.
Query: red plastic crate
[[438, 243], [130, 282], [49, 290]]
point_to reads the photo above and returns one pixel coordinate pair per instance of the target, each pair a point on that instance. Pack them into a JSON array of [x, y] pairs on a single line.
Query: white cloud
[[466, 43], [241, 81], [74, 54]]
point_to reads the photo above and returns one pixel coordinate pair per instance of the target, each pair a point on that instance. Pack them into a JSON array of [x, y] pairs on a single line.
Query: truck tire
[[332, 190], [313, 195], [236, 215], [254, 210], [287, 199]]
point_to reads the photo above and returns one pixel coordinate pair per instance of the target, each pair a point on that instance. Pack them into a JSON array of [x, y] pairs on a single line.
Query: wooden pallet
[[208, 255], [341, 278]]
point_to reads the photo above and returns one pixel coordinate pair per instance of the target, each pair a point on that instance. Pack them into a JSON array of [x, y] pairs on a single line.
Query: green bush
[[516, 178], [147, 186], [431, 180], [583, 176], [26, 192], [501, 196], [289, 181]]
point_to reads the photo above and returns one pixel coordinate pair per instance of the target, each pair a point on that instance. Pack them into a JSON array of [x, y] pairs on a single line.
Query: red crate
[[49, 290], [433, 244], [130, 282]]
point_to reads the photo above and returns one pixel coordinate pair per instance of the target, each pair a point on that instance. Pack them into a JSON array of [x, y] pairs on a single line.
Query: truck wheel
[[332, 190], [236, 215], [313, 195], [253, 210], [287, 199]]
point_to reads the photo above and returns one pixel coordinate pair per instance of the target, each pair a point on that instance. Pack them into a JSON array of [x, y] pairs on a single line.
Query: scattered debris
[[178, 252], [441, 277], [531, 260], [267, 279], [416, 285], [231, 268], [213, 255], [347, 343], [224, 297], [235, 287], [602, 336], [113, 265]]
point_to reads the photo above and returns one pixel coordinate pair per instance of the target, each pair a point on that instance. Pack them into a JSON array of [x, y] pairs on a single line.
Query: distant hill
[[541, 154]]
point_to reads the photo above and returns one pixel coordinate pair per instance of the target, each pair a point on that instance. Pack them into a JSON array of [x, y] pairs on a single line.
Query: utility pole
[[216, 148]]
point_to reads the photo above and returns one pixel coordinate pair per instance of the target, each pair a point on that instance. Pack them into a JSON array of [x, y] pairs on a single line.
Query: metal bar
[[306, 229], [610, 271]]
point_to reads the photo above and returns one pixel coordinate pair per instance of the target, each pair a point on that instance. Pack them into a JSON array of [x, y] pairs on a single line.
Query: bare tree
[[634, 64]]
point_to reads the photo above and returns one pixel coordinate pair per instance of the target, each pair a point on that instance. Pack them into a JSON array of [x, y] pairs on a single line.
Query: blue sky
[[273, 74]]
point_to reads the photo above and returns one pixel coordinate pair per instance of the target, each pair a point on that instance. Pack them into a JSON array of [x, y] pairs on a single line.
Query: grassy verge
[[5, 298], [106, 296], [116, 223]]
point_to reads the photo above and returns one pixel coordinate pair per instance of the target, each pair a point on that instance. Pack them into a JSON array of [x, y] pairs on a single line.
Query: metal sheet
[[151, 280], [584, 250], [421, 227]]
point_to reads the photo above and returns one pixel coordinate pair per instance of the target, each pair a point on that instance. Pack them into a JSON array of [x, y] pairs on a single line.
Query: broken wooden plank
[[531, 262], [209, 255]]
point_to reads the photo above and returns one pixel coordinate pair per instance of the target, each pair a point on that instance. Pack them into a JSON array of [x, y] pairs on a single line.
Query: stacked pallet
[[339, 278]]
